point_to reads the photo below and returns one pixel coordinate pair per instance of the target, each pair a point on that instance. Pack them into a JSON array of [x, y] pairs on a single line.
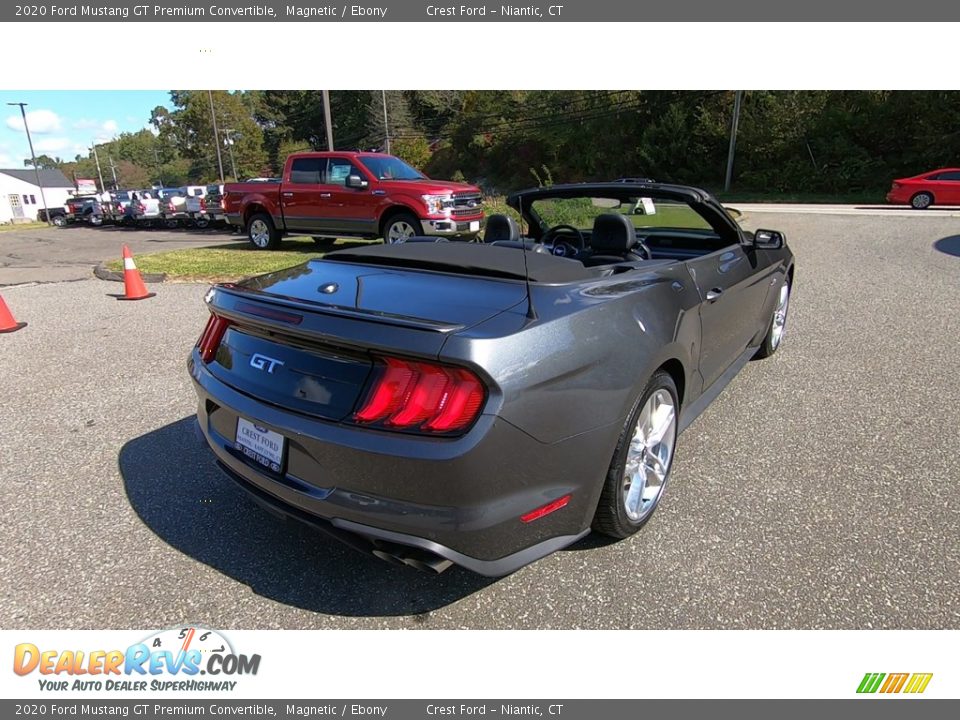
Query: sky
[[64, 123]]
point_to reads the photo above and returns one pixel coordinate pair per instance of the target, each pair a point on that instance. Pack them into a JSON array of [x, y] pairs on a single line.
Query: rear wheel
[[400, 227], [59, 221], [201, 223], [261, 233], [921, 201], [641, 463]]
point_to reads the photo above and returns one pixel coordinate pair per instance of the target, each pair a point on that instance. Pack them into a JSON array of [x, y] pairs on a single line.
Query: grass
[[6, 227], [232, 261]]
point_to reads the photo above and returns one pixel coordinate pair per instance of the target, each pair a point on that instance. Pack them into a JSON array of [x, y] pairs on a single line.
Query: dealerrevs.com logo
[[909, 683], [168, 660]]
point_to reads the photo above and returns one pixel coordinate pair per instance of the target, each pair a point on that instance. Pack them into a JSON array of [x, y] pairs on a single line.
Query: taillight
[[212, 335], [431, 398], [203, 205], [142, 208], [170, 206]]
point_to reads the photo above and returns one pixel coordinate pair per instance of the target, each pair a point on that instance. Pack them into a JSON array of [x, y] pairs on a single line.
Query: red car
[[940, 187]]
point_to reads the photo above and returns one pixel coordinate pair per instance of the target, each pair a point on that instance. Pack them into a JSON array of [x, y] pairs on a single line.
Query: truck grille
[[467, 203]]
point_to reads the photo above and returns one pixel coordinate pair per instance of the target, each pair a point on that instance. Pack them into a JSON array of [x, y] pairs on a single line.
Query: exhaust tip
[[415, 558]]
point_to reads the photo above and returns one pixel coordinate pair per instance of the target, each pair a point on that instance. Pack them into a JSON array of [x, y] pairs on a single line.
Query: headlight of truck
[[437, 204]]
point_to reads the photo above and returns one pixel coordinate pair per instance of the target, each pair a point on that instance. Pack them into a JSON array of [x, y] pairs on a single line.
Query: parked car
[[486, 404], [213, 205], [937, 187], [173, 206], [196, 205], [84, 208], [145, 210], [58, 215], [348, 194]]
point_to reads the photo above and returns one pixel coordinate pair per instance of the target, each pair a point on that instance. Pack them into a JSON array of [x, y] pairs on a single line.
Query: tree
[[44, 162]]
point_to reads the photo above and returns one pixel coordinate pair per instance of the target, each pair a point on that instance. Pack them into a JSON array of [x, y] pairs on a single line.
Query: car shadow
[[948, 245], [174, 486]]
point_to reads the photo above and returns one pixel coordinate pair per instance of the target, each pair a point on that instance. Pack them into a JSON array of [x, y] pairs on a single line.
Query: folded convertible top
[[467, 259]]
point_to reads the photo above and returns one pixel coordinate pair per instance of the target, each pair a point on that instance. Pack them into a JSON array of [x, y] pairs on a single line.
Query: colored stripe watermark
[[890, 683]]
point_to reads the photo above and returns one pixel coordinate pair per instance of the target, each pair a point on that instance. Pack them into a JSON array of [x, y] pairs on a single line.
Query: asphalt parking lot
[[65, 254], [818, 491]]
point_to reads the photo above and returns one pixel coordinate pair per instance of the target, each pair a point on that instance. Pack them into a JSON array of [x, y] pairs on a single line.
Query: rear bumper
[[460, 499]]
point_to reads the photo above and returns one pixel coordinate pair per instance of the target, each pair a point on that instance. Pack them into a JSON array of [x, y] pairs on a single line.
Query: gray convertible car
[[485, 404]]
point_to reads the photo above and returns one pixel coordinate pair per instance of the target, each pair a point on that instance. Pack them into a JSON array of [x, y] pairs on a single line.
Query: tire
[[399, 227], [921, 201], [778, 324], [59, 221], [621, 513], [96, 220], [201, 223], [261, 233], [324, 241]]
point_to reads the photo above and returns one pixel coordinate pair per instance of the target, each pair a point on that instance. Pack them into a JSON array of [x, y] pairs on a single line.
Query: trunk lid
[[393, 295]]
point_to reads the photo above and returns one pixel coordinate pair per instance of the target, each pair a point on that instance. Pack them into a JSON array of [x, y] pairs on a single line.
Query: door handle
[[288, 194], [714, 294], [324, 195]]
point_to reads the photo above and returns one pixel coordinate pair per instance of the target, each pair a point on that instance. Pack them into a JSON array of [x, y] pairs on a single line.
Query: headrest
[[612, 234], [501, 227]]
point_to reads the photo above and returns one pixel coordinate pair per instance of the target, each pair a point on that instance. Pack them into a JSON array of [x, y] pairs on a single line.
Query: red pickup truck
[[349, 194]]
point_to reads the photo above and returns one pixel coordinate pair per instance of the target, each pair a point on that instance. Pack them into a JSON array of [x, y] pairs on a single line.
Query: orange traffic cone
[[7, 323], [133, 287]]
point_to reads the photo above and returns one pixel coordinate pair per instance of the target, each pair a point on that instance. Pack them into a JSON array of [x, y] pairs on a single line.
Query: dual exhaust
[[410, 557]]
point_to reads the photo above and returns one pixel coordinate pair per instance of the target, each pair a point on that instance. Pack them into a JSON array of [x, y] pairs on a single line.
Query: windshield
[[643, 212], [387, 167]]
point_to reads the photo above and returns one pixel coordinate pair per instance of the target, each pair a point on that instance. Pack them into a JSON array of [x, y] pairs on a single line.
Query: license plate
[[259, 444], [474, 225]]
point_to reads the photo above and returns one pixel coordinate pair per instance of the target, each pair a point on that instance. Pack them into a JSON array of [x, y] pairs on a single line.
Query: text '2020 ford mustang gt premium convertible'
[[486, 404]]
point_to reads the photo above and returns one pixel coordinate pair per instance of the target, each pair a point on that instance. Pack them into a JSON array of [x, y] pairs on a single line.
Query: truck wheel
[[59, 221], [324, 241], [400, 227], [201, 223], [261, 233]]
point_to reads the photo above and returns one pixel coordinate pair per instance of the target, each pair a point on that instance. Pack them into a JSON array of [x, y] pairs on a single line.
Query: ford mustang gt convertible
[[485, 404]]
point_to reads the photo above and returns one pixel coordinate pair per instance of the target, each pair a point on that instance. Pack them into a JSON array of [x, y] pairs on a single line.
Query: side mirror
[[768, 239], [355, 181]]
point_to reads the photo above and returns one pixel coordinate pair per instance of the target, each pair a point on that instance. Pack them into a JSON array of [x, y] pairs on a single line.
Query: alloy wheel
[[649, 455]]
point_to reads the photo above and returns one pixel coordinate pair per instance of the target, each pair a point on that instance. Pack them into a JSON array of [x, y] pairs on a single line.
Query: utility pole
[[326, 117], [33, 157], [386, 127], [99, 172], [156, 157], [233, 162], [737, 99], [216, 134], [113, 169]]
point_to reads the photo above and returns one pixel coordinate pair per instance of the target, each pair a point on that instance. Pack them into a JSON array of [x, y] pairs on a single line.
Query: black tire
[[921, 201], [400, 225], [59, 221], [324, 241], [772, 340], [260, 226], [201, 223], [96, 220], [611, 517]]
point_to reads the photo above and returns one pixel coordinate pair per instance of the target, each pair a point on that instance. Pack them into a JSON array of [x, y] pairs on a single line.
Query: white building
[[20, 196]]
